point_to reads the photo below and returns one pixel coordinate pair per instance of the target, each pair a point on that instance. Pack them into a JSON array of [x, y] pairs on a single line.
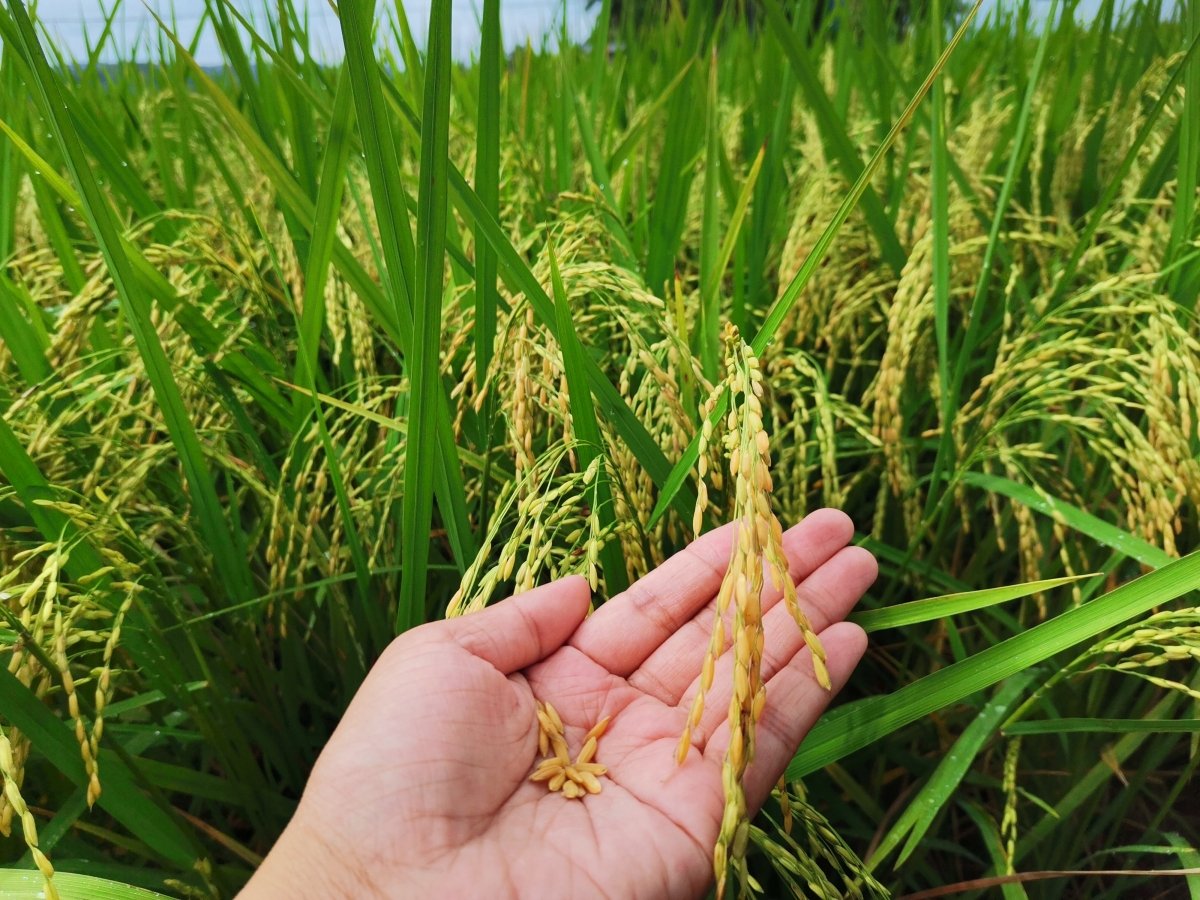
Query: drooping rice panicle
[[757, 544]]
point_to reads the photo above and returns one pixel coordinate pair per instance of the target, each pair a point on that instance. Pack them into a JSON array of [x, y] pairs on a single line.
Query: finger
[[794, 703], [825, 597], [671, 669], [522, 630], [628, 628]]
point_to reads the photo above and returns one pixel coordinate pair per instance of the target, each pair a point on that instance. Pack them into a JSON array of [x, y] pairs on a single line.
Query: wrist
[[305, 863]]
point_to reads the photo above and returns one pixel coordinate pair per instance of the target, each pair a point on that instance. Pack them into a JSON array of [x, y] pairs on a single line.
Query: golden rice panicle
[[758, 543], [1008, 823], [706, 430], [104, 689], [86, 751], [12, 793], [811, 858]]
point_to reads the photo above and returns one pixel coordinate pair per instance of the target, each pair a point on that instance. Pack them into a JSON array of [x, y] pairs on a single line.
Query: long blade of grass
[[951, 604], [16, 884], [421, 449], [851, 728], [412, 289], [324, 227], [1010, 889], [1189, 858], [640, 125], [1089, 725], [1072, 516], [21, 338], [487, 186], [733, 228], [383, 163], [939, 214], [1183, 281], [708, 332]]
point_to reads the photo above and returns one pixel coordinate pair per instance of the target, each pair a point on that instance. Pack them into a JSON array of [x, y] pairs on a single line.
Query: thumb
[[525, 629]]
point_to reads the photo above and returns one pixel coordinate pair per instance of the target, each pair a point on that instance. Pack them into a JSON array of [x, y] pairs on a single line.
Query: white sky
[[70, 20]]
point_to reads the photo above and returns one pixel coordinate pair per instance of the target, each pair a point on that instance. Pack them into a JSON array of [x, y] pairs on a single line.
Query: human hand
[[424, 790]]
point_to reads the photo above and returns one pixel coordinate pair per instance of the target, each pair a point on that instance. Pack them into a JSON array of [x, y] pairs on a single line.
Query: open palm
[[424, 787]]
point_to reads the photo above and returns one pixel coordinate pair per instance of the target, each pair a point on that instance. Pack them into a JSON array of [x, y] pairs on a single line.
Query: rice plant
[[297, 355]]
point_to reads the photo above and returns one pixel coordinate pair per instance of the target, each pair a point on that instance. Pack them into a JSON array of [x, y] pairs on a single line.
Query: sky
[[70, 20]]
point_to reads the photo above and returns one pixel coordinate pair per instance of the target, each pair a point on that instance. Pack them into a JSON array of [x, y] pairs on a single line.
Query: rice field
[[295, 356]]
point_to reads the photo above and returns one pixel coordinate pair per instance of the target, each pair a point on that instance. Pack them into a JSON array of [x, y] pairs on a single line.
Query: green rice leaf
[[934, 608], [17, 884], [487, 186], [422, 452], [1072, 516], [1091, 725], [1189, 858], [918, 816], [851, 728]]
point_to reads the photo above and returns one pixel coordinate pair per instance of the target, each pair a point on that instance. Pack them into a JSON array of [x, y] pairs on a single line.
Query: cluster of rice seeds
[[803, 418], [573, 779], [32, 598], [12, 795], [90, 745], [306, 538], [1168, 637], [907, 348], [1008, 821], [55, 618], [553, 532], [810, 857], [758, 545], [86, 748]]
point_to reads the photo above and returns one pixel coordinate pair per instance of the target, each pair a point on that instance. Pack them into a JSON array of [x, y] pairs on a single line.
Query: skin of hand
[[424, 790]]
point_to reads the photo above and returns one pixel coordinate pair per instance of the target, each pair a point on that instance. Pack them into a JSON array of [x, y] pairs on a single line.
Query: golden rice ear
[[757, 546]]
